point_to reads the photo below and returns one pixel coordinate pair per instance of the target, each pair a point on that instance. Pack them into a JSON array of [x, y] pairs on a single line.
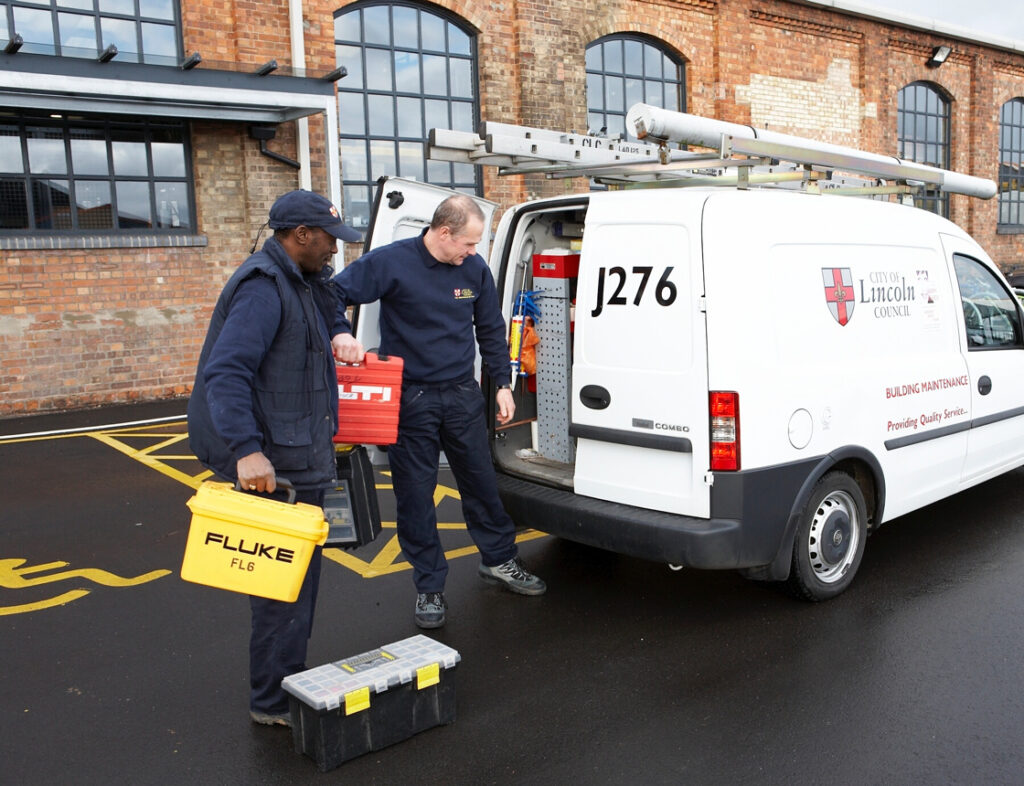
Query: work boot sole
[[520, 590], [264, 719], [429, 624]]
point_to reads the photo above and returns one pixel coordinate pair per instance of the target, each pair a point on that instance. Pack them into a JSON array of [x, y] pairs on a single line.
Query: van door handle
[[984, 385], [595, 397]]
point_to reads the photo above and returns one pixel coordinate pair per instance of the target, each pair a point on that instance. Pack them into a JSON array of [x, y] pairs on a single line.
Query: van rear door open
[[639, 377], [403, 208]]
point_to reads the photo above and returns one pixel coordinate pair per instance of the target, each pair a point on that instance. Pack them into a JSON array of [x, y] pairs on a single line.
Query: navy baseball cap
[[305, 208]]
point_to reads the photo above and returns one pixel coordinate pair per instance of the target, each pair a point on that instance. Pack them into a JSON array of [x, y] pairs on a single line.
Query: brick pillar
[[983, 141]]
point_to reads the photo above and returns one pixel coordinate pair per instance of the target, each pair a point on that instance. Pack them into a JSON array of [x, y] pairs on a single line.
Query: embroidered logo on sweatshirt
[[464, 294]]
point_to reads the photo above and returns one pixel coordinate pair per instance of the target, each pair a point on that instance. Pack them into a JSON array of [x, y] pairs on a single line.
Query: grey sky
[[996, 18]]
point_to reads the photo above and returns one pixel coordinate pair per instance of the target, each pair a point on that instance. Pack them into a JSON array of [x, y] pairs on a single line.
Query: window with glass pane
[[922, 132], [410, 69], [1011, 163], [623, 70], [146, 31], [94, 175], [991, 314]]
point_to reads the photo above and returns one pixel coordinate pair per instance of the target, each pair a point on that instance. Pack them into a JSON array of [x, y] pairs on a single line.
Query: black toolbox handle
[[282, 483]]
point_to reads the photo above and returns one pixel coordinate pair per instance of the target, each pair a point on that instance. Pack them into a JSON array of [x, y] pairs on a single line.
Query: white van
[[748, 379]]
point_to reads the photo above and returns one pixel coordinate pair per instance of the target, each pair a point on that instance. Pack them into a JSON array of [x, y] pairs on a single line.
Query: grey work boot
[[430, 608], [266, 719], [513, 576]]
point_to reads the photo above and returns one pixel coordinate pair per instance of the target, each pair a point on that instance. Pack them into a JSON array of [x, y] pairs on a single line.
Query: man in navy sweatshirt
[[265, 404], [436, 295]]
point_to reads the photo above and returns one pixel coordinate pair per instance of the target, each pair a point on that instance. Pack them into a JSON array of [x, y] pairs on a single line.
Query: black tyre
[[830, 540]]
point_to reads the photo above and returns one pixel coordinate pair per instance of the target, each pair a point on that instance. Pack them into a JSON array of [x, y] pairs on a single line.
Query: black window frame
[[910, 119], [108, 128], [1011, 167], [56, 48], [354, 89], [603, 72]]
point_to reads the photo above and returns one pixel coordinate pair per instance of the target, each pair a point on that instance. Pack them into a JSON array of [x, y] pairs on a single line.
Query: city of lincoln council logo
[[839, 294], [463, 294]]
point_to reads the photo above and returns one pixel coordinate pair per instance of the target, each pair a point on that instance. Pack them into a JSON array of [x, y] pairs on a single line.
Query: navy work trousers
[[280, 633], [448, 417]]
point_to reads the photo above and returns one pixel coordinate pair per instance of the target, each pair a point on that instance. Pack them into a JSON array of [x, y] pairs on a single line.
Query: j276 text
[[664, 291]]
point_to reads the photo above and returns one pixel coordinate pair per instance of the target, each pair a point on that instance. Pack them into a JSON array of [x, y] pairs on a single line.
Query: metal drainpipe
[[299, 61]]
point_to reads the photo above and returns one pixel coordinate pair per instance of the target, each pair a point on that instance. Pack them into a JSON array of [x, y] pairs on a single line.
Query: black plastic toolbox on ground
[[364, 703]]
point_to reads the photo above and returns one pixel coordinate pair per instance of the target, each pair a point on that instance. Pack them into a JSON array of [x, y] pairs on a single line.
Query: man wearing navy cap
[[265, 404]]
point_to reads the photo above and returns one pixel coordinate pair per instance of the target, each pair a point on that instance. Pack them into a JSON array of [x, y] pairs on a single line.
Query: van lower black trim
[[945, 431], [633, 438], [1010, 413], [914, 439], [761, 499]]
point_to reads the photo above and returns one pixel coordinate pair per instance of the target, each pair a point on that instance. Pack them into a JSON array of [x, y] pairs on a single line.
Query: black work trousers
[[449, 417], [280, 634]]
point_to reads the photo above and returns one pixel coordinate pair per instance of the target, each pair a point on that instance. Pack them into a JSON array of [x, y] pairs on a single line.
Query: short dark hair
[[455, 213]]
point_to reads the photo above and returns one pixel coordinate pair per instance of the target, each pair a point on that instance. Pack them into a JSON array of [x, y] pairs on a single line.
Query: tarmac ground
[[116, 670]]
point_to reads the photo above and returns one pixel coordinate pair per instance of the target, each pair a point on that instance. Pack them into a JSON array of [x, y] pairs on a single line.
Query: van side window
[[991, 315]]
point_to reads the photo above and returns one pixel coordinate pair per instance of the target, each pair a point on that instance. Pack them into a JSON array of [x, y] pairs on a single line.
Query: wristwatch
[[504, 387]]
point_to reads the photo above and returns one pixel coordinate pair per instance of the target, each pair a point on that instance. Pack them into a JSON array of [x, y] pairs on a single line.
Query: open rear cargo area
[[541, 263]]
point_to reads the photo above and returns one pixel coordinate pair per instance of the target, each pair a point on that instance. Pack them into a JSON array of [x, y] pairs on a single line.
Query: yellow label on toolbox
[[428, 675], [357, 700]]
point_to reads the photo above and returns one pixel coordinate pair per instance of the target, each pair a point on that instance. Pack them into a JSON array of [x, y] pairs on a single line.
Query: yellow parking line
[[158, 445], [49, 603], [194, 481], [384, 562], [387, 560]]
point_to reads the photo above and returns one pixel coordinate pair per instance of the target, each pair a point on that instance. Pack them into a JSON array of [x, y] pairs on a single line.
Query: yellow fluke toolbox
[[364, 703], [247, 543]]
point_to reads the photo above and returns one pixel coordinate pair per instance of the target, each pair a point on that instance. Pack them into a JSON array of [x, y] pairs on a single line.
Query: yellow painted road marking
[[11, 575], [49, 603], [384, 562], [14, 577], [387, 560], [146, 455]]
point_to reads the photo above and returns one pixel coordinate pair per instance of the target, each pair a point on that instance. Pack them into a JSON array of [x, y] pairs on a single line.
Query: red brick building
[[142, 142]]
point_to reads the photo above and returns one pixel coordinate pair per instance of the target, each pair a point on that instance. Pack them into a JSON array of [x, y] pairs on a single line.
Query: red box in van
[[369, 394], [556, 265]]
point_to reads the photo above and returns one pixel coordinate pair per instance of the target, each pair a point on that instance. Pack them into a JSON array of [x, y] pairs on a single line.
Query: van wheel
[[830, 539]]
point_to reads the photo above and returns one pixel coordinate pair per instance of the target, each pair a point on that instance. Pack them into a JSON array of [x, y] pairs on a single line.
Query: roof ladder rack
[[737, 155]]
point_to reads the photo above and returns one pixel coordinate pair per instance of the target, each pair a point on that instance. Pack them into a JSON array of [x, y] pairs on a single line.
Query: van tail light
[[725, 430]]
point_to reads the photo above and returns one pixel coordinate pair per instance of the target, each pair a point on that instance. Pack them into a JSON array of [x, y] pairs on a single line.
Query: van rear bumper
[[750, 529], [648, 534]]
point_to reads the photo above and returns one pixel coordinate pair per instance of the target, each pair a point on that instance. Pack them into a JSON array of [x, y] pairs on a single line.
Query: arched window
[[623, 70], [1011, 165], [409, 70], [922, 131]]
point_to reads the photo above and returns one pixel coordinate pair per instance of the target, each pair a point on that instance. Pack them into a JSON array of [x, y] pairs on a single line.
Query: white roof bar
[[651, 122], [555, 154]]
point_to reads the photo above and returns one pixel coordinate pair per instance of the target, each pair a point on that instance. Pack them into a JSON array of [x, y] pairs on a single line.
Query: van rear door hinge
[[702, 304], [709, 478]]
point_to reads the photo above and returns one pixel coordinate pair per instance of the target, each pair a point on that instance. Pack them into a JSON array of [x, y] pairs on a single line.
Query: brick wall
[[87, 326]]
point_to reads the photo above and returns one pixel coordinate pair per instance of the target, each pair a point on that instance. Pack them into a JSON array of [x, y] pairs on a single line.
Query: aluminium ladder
[[735, 155]]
